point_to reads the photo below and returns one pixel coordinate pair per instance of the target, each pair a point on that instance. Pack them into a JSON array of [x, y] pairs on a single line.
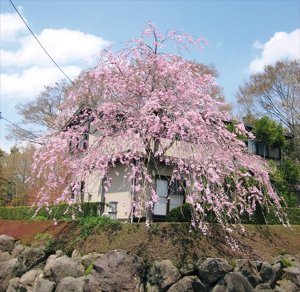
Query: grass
[[286, 263], [91, 223]]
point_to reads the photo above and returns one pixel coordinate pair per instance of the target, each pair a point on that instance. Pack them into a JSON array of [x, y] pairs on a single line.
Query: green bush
[[284, 178], [180, 214], [183, 214], [58, 212], [90, 223]]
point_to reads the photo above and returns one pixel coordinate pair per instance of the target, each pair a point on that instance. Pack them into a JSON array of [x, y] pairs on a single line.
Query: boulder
[[17, 250], [7, 243], [188, 284], [31, 257], [43, 285], [188, 269], [257, 264], [61, 267], [286, 286], [14, 286], [267, 273], [117, 271], [4, 256], [292, 274], [28, 279], [213, 269], [278, 269], [70, 284], [264, 287], [219, 288], [237, 282], [163, 274], [90, 258], [249, 270], [8, 270], [75, 254]]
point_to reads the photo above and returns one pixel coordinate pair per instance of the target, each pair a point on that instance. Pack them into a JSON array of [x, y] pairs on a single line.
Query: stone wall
[[24, 268]]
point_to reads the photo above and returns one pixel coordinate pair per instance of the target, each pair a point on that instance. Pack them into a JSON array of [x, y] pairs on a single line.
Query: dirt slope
[[162, 240]]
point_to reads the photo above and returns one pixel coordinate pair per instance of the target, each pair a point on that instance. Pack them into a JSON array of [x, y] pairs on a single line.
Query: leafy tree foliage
[[275, 93], [284, 178], [14, 173], [269, 132], [145, 109]]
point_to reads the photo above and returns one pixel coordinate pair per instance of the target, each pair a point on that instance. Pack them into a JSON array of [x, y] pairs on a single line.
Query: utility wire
[[40, 42], [15, 125]]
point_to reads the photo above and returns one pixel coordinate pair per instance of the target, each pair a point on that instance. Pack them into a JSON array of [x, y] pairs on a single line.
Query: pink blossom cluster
[[146, 109]]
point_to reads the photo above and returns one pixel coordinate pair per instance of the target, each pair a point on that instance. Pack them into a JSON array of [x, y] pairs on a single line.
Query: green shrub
[[180, 214], [286, 263], [90, 223], [88, 270], [183, 214], [58, 212]]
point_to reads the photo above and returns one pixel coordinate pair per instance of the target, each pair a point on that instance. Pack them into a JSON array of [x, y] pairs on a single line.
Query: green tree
[[269, 132], [284, 178], [275, 93], [14, 173]]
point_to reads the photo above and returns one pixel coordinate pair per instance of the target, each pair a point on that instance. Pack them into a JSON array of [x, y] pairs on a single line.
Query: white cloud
[[281, 45], [10, 26], [30, 82], [25, 67], [64, 45]]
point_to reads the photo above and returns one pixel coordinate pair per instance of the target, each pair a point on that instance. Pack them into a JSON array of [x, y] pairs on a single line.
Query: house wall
[[118, 192]]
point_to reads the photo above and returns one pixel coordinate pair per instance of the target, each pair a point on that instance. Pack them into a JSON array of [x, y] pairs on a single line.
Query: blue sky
[[243, 36]]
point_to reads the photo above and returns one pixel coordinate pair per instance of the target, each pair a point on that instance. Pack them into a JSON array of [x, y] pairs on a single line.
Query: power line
[[40, 42], [16, 125]]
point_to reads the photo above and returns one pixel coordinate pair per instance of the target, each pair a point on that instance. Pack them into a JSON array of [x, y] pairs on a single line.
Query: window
[[171, 195], [251, 146]]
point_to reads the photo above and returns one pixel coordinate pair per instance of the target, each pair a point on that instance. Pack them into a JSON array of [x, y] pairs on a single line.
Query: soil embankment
[[161, 241]]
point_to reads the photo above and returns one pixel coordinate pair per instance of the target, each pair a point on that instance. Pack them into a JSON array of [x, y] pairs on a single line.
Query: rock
[[70, 284], [287, 286], [249, 270], [188, 269], [90, 258], [264, 287], [287, 258], [188, 284], [27, 280], [292, 274], [267, 273], [237, 282], [75, 254], [257, 264], [8, 270], [219, 288], [7, 243], [14, 285], [117, 271], [61, 267], [59, 253], [17, 250], [43, 285], [278, 269], [278, 289], [4, 256], [163, 274], [31, 257], [213, 269]]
